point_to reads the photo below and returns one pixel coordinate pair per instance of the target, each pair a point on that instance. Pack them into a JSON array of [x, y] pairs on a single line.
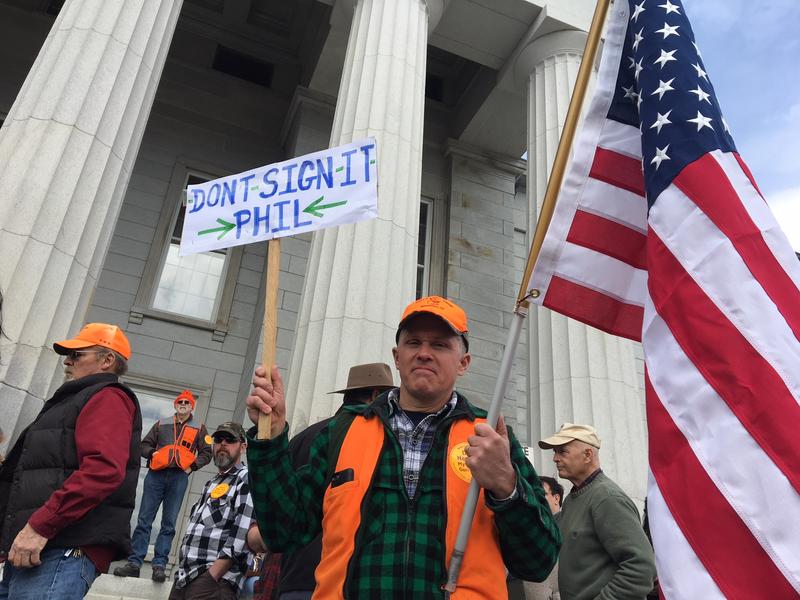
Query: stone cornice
[[497, 162]]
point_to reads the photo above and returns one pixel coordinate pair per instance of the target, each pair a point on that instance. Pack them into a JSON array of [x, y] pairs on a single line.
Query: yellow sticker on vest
[[458, 462], [220, 490], [209, 440]]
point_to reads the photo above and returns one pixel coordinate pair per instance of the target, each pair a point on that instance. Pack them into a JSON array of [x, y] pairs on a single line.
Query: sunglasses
[[75, 355], [224, 437], [182, 402]]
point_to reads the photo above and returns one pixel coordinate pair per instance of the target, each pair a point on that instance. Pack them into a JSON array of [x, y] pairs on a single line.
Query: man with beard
[[213, 556], [68, 485], [174, 448]]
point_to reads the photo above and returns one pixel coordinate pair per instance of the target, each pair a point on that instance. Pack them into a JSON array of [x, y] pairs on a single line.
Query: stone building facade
[[111, 107]]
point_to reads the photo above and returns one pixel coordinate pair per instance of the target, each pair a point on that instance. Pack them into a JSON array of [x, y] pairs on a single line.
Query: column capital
[[567, 41], [435, 9]]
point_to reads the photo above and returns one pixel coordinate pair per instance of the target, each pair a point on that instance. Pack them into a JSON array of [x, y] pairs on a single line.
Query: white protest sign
[[322, 189]]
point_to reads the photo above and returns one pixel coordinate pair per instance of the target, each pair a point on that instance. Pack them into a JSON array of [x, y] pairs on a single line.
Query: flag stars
[[701, 95], [668, 30], [665, 57], [696, 49], [661, 156], [700, 71], [663, 88], [701, 121], [669, 7], [637, 10], [660, 121], [637, 39], [725, 126], [638, 68], [630, 94]]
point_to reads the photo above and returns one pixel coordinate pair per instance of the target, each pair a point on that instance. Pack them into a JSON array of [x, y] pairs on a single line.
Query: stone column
[[66, 153], [361, 276], [577, 373]]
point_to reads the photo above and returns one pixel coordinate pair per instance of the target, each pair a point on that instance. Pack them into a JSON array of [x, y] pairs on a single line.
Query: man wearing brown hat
[[386, 483], [68, 486], [605, 553], [174, 447]]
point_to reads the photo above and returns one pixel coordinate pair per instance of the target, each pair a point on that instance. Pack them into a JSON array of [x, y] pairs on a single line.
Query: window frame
[[436, 250], [143, 304]]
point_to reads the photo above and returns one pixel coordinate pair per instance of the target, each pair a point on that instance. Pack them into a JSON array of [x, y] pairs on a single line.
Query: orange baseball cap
[[449, 312], [186, 395], [97, 334]]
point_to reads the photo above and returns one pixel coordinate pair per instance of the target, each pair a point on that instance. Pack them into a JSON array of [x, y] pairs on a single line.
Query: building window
[[195, 290], [424, 247], [189, 285]]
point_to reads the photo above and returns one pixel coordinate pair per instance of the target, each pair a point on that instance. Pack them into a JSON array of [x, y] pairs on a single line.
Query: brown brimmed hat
[[371, 375]]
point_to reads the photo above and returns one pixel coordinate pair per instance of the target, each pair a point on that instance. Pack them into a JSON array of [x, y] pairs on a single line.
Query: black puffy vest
[[45, 455]]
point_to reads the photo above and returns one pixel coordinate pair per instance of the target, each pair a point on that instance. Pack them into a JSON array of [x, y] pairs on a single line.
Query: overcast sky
[[751, 51]]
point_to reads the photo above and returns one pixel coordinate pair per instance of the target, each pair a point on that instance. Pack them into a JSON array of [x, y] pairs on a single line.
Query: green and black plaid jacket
[[400, 548]]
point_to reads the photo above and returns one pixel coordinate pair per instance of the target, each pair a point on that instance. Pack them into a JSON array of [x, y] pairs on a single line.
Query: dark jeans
[[168, 487], [59, 577], [204, 588]]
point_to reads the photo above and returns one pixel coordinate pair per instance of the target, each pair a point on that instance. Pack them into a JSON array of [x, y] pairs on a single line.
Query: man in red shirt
[[68, 485]]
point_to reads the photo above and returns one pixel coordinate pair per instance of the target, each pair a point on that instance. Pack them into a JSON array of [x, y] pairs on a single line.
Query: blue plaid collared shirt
[[415, 441]]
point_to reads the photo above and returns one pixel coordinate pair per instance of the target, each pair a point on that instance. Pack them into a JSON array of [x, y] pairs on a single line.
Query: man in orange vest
[[386, 483], [174, 447]]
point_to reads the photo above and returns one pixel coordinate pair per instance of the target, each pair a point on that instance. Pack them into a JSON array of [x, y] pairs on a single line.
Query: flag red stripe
[[618, 170], [609, 237], [747, 172], [739, 566], [594, 308], [746, 382], [705, 183]]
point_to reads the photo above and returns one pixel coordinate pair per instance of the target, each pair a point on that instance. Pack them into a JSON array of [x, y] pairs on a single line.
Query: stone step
[[111, 587]]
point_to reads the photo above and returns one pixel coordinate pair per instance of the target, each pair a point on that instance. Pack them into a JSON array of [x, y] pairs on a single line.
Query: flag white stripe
[[616, 204], [621, 138], [603, 273], [771, 508], [705, 252], [680, 572], [761, 214]]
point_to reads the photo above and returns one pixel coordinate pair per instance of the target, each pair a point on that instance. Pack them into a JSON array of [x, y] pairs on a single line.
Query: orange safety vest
[[177, 448], [483, 572]]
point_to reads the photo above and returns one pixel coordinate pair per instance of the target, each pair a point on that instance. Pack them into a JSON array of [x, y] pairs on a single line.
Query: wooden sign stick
[[270, 328]]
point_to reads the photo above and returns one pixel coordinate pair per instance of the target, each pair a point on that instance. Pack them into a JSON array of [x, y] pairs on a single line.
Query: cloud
[[785, 205]]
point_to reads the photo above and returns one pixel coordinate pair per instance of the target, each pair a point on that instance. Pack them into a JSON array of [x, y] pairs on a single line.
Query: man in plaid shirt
[[400, 548], [213, 556]]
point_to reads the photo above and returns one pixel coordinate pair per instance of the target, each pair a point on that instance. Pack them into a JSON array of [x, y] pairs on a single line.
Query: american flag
[[661, 235]]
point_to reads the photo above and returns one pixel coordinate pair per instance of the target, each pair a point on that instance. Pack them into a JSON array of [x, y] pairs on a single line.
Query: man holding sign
[[386, 483]]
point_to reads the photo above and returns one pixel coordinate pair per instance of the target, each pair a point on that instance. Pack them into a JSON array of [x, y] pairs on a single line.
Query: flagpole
[[270, 326], [522, 304]]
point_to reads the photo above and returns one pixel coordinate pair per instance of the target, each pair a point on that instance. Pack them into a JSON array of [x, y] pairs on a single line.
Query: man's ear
[[394, 355], [464, 364]]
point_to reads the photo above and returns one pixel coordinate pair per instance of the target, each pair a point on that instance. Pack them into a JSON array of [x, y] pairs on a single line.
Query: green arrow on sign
[[315, 207], [226, 227]]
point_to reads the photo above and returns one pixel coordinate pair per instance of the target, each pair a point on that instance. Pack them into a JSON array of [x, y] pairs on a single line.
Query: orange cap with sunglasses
[[97, 334], [188, 396]]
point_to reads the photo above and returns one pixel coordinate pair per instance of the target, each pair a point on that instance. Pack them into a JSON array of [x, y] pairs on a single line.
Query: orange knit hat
[[187, 395]]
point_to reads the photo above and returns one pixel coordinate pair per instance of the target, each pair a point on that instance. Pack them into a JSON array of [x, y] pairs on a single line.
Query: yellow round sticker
[[458, 462], [220, 490], [209, 440]]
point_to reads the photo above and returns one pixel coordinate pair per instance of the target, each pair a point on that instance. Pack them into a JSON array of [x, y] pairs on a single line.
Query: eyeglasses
[[182, 402], [224, 437], [75, 355]]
